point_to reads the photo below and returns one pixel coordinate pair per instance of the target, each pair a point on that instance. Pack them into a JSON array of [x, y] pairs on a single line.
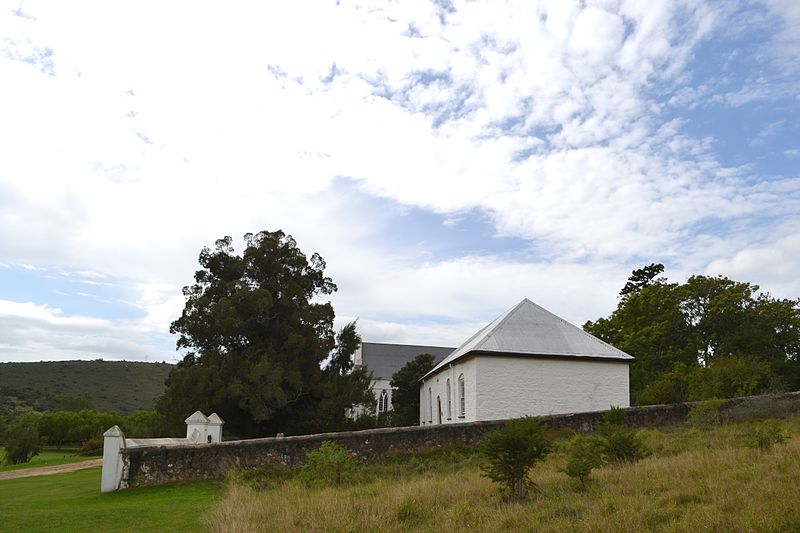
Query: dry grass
[[696, 480]]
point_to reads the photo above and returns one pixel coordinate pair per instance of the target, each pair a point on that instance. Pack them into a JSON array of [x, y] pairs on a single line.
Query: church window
[[462, 402], [383, 402], [449, 402], [430, 405]]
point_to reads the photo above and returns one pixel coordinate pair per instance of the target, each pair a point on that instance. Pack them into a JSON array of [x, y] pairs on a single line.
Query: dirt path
[[47, 470]]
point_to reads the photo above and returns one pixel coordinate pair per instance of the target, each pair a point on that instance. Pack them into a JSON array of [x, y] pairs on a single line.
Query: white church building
[[528, 361], [384, 359]]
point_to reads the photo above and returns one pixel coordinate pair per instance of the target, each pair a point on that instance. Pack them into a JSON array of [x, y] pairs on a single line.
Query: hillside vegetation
[[112, 386]]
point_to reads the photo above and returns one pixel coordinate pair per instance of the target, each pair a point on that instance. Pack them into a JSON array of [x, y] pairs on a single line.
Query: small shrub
[[705, 414], [622, 445], [511, 452], [765, 435], [22, 443], [330, 464], [92, 446], [615, 416], [619, 444], [585, 455]]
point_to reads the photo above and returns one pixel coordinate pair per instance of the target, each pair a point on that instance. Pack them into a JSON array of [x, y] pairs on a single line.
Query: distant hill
[[115, 386]]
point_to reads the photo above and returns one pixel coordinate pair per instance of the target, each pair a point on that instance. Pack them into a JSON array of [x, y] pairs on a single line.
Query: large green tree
[[343, 385], [711, 336], [405, 397], [256, 335]]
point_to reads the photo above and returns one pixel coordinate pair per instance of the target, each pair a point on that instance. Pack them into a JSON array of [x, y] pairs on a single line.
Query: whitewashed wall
[[438, 387], [510, 387], [499, 388]]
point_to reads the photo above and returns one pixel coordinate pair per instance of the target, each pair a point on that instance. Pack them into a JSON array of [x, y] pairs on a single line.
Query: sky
[[447, 159]]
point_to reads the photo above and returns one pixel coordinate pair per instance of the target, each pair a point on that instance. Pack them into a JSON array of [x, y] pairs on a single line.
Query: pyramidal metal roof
[[529, 329]]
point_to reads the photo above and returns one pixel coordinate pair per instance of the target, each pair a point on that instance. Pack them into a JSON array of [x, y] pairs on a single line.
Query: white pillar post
[[113, 444], [197, 427], [215, 423]]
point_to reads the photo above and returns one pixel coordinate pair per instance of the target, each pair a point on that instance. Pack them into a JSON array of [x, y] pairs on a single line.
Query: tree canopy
[[641, 278], [256, 337], [405, 398], [708, 337]]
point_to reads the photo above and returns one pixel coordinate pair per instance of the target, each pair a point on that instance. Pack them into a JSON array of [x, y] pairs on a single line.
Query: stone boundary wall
[[157, 465]]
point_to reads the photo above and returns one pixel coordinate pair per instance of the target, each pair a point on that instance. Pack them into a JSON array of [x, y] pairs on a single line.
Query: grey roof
[[383, 360], [528, 329]]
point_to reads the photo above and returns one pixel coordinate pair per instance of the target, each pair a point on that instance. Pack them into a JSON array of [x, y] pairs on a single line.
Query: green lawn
[[47, 457], [73, 502]]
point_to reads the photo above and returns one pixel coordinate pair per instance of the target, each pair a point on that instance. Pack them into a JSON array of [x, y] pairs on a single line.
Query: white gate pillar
[[113, 444]]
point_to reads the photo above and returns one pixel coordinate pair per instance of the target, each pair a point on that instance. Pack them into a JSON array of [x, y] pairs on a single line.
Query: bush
[[615, 416], [584, 456], [144, 424], [58, 427], [732, 376], [22, 443], [705, 414], [765, 435], [670, 387], [622, 445], [511, 452], [330, 464], [619, 444], [92, 446]]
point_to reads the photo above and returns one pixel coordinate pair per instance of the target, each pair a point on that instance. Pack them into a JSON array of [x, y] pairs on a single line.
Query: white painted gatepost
[[199, 430]]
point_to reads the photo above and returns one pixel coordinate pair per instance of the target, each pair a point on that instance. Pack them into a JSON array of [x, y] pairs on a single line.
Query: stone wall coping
[[167, 462], [414, 429]]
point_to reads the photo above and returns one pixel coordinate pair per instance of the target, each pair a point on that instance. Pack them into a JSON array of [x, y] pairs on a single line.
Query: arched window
[[449, 402], [383, 402], [462, 401], [430, 405]]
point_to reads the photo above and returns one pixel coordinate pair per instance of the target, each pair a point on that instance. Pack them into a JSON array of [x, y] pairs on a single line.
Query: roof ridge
[[403, 344], [503, 319]]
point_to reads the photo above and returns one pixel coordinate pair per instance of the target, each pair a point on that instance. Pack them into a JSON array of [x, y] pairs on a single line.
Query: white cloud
[[469, 290], [265, 135], [125, 153], [785, 44], [773, 264], [33, 332]]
